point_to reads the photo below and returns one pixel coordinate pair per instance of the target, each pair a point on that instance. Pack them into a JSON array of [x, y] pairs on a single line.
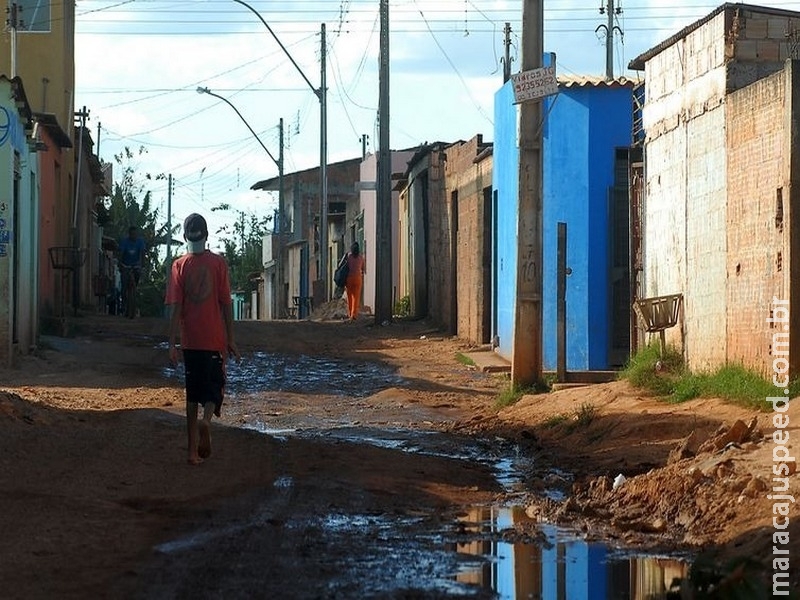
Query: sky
[[138, 65]]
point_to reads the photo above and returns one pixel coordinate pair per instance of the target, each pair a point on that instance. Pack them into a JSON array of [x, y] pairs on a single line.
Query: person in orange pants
[[356, 267]]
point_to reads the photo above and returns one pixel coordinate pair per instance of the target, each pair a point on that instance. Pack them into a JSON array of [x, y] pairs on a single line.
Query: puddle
[[498, 454], [496, 552], [270, 372], [559, 565]]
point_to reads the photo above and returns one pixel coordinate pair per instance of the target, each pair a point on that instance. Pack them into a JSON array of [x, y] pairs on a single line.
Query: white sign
[[537, 83]]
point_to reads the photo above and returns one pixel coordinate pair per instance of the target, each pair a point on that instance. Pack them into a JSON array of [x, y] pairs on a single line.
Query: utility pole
[[323, 161], [322, 95], [169, 225], [13, 22], [507, 57], [383, 183], [169, 239], [610, 28], [526, 361], [82, 115], [279, 300]]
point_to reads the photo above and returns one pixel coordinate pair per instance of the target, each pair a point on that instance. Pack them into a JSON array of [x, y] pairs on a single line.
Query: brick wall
[[439, 250], [466, 181], [758, 251]]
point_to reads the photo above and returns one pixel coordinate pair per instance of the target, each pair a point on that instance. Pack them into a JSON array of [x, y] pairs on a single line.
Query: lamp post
[[321, 93], [279, 163]]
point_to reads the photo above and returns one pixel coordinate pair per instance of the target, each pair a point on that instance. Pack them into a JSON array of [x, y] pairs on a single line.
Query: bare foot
[[194, 461], [204, 448]]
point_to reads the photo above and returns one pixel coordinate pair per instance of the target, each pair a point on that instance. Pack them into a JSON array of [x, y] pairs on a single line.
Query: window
[[33, 15]]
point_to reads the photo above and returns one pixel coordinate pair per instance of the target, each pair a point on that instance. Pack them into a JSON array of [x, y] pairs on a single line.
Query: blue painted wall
[[505, 173], [583, 127], [574, 569]]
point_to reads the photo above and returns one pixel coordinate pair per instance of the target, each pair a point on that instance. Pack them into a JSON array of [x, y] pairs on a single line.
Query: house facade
[[424, 273], [720, 118], [297, 247], [19, 200], [368, 200], [44, 58], [586, 134], [54, 157]]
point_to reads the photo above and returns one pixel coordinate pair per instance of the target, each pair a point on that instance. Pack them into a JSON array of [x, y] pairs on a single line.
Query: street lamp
[[278, 162], [321, 93]]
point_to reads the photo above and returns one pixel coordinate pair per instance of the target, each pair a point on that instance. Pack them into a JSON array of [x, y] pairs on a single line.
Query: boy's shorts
[[205, 377]]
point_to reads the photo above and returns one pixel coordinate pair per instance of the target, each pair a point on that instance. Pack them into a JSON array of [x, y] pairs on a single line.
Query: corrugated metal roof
[[637, 64], [593, 81]]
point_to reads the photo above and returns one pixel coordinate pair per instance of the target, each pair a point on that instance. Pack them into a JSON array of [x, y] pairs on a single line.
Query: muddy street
[[347, 464]]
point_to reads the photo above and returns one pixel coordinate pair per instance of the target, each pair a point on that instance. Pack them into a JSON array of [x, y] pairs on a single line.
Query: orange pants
[[353, 288]]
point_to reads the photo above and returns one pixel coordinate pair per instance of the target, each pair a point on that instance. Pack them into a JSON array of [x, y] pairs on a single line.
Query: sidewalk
[[489, 361]]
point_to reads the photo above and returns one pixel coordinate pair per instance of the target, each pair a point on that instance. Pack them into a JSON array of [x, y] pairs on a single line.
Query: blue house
[[586, 153]]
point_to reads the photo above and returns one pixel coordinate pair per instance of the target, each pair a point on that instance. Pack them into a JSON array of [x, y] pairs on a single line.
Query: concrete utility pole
[[507, 57], [383, 196], [13, 22], [610, 28], [526, 360], [169, 236], [278, 299], [322, 95], [323, 160]]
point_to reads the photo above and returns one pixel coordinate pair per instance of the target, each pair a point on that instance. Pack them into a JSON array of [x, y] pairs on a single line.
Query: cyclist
[[131, 257]]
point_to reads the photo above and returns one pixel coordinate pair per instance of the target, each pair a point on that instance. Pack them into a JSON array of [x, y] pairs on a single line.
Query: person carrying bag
[[350, 272], [340, 276]]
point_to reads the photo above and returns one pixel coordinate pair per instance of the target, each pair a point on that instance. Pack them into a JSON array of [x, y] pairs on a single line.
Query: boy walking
[[199, 296]]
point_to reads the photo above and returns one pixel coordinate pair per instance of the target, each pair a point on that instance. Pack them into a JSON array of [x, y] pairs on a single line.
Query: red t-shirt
[[200, 284]]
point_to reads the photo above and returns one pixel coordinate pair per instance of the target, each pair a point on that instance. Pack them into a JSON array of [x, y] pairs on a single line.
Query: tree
[[243, 243], [131, 205]]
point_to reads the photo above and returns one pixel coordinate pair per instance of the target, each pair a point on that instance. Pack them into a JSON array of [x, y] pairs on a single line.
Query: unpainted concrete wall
[[468, 180]]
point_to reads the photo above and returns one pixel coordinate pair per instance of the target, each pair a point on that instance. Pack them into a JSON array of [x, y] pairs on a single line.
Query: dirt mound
[[696, 474]]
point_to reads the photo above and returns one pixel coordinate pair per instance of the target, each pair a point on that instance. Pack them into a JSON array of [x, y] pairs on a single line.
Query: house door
[[454, 262], [486, 262], [620, 262], [494, 262]]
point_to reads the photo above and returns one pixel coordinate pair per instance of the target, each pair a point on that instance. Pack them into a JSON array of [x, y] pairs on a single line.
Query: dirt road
[[348, 463]]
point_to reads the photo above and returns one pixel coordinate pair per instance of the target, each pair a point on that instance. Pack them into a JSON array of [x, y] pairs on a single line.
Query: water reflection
[[273, 372], [560, 566]]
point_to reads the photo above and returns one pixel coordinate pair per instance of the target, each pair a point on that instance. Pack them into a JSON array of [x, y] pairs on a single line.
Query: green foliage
[[581, 417], [243, 243], [669, 378], [585, 414], [464, 359], [131, 205], [646, 369], [555, 420], [512, 393], [402, 307]]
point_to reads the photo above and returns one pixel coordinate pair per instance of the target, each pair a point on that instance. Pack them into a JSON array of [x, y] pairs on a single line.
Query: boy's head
[[195, 232]]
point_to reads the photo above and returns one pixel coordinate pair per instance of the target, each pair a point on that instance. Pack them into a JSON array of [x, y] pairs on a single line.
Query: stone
[[737, 433], [688, 448]]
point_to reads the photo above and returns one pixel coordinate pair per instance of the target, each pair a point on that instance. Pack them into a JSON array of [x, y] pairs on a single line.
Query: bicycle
[[129, 275]]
